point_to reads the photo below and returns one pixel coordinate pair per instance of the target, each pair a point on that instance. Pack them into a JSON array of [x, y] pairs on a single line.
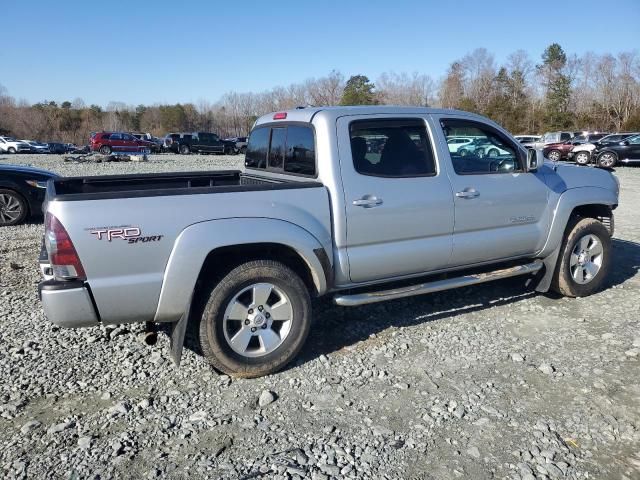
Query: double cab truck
[[198, 142], [361, 204]]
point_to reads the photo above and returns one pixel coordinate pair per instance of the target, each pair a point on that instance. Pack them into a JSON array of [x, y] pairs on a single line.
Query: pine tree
[[359, 91], [558, 87]]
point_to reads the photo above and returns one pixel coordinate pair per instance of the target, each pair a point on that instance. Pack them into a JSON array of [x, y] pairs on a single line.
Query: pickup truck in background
[[363, 204], [197, 142]]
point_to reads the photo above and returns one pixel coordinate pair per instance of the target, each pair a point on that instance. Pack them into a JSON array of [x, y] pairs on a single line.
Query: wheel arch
[[210, 249]]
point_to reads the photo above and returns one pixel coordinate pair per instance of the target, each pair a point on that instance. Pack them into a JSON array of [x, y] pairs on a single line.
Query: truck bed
[[162, 184]]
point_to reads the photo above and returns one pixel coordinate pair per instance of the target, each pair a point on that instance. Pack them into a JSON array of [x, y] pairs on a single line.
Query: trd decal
[[129, 234]]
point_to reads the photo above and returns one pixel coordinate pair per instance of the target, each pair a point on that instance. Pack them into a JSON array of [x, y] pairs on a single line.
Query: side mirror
[[532, 160]]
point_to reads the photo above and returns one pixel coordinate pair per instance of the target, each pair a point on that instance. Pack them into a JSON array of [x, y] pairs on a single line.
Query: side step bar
[[435, 286]]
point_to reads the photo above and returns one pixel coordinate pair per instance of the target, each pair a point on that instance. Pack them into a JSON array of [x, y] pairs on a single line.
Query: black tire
[[105, 150], [582, 158], [607, 160], [493, 152], [184, 149], [13, 208], [243, 150], [463, 152], [564, 282], [215, 346], [11, 150], [554, 155], [227, 151]]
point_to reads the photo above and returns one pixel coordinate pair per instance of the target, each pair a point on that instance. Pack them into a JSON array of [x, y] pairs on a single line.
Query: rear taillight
[[64, 259]]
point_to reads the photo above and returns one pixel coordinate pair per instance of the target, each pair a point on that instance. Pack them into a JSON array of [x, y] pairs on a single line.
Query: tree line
[[559, 91]]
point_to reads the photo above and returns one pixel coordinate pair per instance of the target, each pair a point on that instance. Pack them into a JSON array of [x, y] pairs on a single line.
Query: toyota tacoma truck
[[361, 204]]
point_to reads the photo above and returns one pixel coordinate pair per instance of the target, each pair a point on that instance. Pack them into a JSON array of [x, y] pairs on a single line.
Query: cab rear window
[[283, 149]]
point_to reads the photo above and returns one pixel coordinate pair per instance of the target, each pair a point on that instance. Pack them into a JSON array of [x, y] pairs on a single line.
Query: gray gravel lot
[[492, 381]]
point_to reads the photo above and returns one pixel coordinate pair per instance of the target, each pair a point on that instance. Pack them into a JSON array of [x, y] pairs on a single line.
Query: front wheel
[[243, 150], [256, 319], [13, 208], [105, 150], [554, 155], [582, 158], [184, 149], [585, 259], [11, 150], [607, 160]]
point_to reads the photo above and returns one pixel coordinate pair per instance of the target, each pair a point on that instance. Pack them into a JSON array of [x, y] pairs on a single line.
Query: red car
[[558, 151], [109, 142]]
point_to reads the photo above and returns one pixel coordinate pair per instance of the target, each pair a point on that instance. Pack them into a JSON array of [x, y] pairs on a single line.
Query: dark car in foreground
[[609, 155], [22, 191], [197, 142]]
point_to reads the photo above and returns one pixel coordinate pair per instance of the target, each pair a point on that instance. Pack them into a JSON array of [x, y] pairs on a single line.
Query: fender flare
[[567, 203], [195, 242]]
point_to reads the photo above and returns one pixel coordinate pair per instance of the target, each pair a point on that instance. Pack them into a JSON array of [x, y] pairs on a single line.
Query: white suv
[[11, 145]]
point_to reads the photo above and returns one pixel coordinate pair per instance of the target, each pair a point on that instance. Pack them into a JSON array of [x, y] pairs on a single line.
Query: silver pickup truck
[[363, 204]]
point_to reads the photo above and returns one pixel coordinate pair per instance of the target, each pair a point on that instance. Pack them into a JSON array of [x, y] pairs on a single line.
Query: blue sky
[[167, 52]]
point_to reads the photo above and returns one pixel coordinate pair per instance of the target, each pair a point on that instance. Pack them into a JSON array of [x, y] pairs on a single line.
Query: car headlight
[[37, 183]]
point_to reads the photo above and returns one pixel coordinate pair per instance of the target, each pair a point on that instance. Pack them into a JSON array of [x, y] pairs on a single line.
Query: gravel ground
[[492, 381]]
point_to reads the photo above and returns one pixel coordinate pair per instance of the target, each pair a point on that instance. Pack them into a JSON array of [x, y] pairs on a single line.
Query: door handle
[[468, 194], [368, 201]]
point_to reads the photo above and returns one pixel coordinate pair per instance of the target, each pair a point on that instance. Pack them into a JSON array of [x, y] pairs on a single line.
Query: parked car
[[610, 154], [481, 147], [22, 191], [37, 147], [115, 142], [456, 143], [552, 137], [558, 151], [581, 153], [197, 142], [527, 141], [11, 145], [157, 143], [240, 144], [238, 255], [56, 147]]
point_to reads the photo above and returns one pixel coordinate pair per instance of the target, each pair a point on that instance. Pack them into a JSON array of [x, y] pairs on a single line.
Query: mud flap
[[176, 337], [546, 275]]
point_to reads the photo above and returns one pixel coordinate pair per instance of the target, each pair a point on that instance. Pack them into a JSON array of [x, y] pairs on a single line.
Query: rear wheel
[[243, 150], [105, 150], [13, 208], [554, 155], [11, 150], [493, 152], [585, 259], [582, 158], [184, 149], [227, 151], [256, 319], [607, 160]]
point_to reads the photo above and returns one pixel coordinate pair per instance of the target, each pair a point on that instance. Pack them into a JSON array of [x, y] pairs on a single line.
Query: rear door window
[[258, 147], [391, 148]]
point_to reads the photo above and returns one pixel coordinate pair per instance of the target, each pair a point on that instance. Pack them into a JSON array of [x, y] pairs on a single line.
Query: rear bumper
[[68, 304]]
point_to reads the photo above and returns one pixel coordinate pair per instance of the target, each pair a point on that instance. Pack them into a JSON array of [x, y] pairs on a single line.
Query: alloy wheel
[[586, 259], [10, 208], [257, 320]]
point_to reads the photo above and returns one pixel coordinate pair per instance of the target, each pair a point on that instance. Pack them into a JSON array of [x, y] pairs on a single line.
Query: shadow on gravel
[[336, 327], [626, 261]]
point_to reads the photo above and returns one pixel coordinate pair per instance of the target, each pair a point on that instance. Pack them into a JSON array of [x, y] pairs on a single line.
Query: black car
[[627, 151], [55, 147], [22, 191], [240, 144], [197, 142]]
